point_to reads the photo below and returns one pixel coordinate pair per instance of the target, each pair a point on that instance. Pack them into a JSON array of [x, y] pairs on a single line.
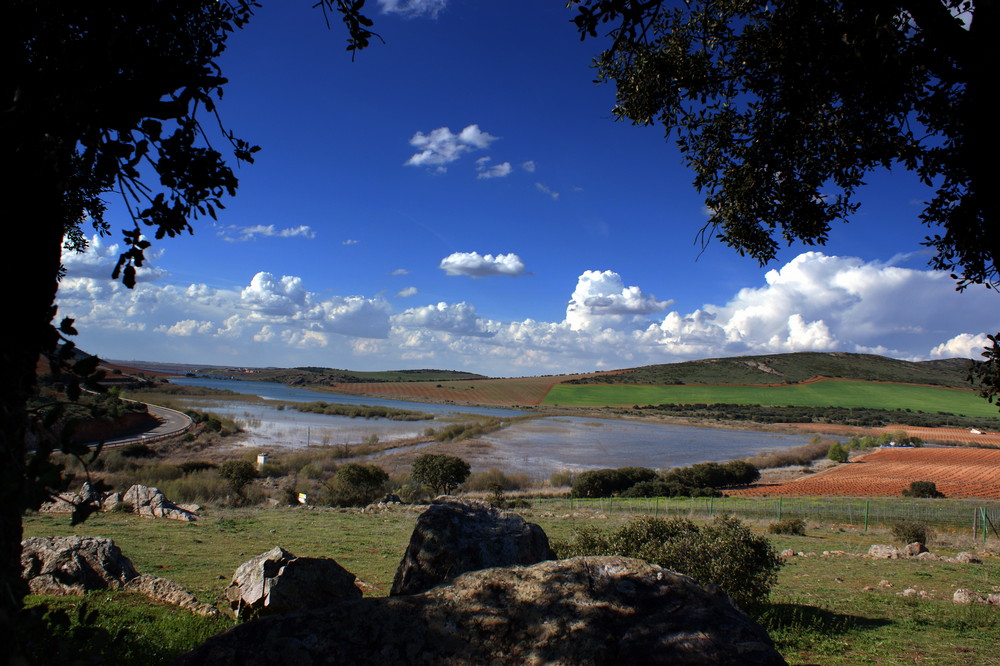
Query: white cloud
[[400, 271], [407, 292], [237, 234], [475, 265], [601, 300], [441, 147], [544, 189], [485, 170], [413, 8], [963, 345], [349, 241], [274, 297], [99, 258], [528, 166], [459, 318], [187, 328], [814, 302]]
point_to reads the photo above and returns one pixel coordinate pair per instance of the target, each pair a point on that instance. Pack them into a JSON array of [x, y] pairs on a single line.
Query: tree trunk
[[34, 232]]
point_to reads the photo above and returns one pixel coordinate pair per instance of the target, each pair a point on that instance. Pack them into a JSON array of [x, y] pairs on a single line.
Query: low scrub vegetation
[[788, 526], [910, 531], [926, 489], [724, 552], [701, 480], [804, 455], [361, 411]]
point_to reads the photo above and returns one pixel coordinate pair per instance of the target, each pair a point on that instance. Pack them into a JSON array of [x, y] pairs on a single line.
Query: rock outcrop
[[277, 582], [455, 536], [150, 502], [74, 565], [586, 610], [167, 591]]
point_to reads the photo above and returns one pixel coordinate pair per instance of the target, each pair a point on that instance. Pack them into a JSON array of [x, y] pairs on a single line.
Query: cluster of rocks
[[74, 565], [915, 550], [141, 500], [476, 585]]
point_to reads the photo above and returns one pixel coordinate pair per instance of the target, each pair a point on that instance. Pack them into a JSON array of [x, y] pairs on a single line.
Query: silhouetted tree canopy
[[781, 108], [117, 97]]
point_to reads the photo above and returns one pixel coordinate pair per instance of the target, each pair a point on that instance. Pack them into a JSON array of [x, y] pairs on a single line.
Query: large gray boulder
[[586, 610], [73, 565], [277, 582], [455, 536], [150, 502]]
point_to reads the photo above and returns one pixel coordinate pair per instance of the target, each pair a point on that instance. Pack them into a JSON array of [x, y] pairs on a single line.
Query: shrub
[[441, 472], [723, 552], [837, 453], [923, 489], [238, 473], [608, 482], [908, 531], [485, 481], [792, 526], [355, 484], [137, 450]]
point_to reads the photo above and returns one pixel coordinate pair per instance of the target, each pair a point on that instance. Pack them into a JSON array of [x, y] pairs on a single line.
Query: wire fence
[[980, 518]]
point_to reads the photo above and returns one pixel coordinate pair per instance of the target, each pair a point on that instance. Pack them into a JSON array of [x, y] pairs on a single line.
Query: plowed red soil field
[[961, 435], [506, 392], [958, 472]]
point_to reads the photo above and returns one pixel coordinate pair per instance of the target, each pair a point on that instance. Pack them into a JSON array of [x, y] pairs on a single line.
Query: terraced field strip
[[501, 392], [823, 393], [958, 473]]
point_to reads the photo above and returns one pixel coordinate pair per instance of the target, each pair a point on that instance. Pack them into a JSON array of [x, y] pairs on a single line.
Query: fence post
[[867, 508], [986, 532]]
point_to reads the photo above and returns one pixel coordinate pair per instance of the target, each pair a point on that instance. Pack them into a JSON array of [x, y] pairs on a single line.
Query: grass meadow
[[824, 610], [822, 393]]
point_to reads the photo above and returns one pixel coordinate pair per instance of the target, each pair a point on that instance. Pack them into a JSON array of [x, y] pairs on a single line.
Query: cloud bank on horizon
[[814, 302]]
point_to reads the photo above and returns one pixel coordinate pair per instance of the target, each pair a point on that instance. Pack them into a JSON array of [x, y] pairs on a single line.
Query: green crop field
[[823, 393]]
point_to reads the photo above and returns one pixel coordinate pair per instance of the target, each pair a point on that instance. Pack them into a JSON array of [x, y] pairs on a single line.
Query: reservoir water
[[541, 446]]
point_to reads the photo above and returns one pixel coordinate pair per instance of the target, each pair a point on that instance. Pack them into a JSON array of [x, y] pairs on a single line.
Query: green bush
[[443, 473], [791, 526], [355, 484], [723, 552], [909, 531], [837, 453], [238, 473], [926, 489]]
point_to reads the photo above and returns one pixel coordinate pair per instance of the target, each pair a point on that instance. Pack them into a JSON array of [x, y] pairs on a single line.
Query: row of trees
[[701, 480]]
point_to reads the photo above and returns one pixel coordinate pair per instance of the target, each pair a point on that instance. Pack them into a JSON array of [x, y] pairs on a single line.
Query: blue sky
[[460, 197]]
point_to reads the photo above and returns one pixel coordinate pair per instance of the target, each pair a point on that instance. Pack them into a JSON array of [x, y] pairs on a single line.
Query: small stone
[[967, 558], [964, 596]]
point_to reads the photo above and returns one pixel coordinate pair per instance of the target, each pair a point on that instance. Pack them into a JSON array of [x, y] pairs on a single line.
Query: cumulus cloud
[[271, 296], [475, 265], [601, 299], [440, 147], [458, 318], [413, 8], [237, 234], [963, 345], [407, 292], [99, 258], [528, 166], [814, 302]]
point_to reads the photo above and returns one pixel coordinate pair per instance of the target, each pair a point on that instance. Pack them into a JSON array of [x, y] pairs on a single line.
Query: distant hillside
[[791, 369], [330, 376]]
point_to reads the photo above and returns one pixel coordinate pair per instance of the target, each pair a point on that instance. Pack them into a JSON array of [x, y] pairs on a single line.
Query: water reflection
[[538, 447]]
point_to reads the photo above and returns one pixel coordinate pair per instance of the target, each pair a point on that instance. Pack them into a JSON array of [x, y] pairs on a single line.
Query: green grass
[[824, 393], [820, 611]]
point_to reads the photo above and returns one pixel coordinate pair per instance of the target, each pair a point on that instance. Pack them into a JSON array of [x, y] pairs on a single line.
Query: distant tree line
[[700, 480], [856, 416]]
